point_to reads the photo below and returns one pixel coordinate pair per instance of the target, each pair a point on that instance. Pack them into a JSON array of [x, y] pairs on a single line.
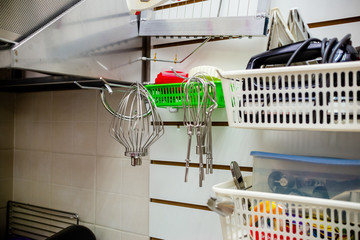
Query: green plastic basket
[[169, 95]]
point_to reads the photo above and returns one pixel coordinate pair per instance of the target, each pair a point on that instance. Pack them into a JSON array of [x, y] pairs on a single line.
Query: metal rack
[[34, 222], [192, 18]]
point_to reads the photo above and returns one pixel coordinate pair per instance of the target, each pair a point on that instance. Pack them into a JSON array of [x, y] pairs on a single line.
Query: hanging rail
[[107, 86]]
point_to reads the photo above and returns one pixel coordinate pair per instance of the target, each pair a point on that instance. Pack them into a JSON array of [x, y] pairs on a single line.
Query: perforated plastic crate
[[169, 95], [314, 97], [259, 215]]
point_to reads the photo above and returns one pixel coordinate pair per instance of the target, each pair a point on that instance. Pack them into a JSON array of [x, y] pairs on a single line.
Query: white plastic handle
[[140, 5]]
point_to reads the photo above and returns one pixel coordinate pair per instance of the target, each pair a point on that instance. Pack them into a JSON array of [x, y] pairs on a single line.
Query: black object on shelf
[[74, 232], [330, 51]]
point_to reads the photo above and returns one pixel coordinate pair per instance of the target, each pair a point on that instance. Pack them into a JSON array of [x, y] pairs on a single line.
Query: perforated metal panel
[[20, 18]]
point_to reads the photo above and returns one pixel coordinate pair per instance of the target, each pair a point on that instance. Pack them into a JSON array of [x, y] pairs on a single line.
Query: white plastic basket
[[313, 97], [291, 217]]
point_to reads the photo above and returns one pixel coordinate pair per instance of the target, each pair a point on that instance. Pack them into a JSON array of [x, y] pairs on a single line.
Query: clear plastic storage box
[[305, 176]]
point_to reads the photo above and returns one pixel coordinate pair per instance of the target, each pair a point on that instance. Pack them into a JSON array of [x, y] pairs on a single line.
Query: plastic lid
[[308, 159], [170, 77]]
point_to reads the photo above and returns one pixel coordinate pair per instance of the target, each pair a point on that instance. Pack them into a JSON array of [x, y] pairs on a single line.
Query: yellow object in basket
[[268, 205]]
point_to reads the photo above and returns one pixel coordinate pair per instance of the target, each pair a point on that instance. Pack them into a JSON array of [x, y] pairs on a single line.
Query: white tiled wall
[[6, 154], [66, 159]]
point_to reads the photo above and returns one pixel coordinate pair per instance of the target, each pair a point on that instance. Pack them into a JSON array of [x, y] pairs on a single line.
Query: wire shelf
[[206, 18]]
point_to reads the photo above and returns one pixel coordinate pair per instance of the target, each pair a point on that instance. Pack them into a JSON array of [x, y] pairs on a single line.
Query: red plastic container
[[170, 77]]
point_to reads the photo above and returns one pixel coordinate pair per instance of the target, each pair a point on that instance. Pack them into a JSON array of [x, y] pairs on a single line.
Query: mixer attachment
[[136, 124], [199, 101]]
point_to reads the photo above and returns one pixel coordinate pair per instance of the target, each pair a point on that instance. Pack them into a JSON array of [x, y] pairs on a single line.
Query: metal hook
[[107, 86], [218, 72], [172, 69]]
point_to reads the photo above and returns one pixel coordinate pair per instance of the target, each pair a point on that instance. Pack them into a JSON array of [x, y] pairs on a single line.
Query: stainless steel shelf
[[226, 18]]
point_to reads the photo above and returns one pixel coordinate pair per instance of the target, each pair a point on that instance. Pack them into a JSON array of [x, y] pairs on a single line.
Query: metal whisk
[[195, 99], [136, 123], [212, 105]]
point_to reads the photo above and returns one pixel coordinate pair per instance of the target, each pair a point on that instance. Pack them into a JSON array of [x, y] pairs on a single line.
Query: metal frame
[[36, 222], [255, 25]]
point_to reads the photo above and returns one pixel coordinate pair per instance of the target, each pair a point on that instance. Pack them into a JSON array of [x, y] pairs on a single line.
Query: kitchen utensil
[[212, 105], [237, 176], [194, 99], [136, 124], [224, 207]]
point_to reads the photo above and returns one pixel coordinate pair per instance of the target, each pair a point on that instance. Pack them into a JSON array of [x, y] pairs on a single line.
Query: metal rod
[[218, 72], [38, 222], [32, 208], [29, 232], [220, 4], [145, 65], [46, 218], [107, 86]]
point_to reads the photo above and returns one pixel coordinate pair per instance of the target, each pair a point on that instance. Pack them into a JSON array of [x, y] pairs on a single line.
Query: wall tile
[[131, 236], [2, 223], [88, 225], [84, 135], [23, 135], [113, 100], [62, 105], [135, 215], [135, 180], [7, 106], [22, 165], [6, 186], [32, 165], [84, 105], [42, 106], [109, 174], [102, 233], [33, 192], [108, 210], [77, 200], [7, 134], [24, 107], [42, 136], [6, 163], [73, 170], [106, 145], [62, 140]]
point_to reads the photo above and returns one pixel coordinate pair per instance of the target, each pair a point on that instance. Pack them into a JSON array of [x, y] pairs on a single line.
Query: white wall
[[65, 159], [168, 221]]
